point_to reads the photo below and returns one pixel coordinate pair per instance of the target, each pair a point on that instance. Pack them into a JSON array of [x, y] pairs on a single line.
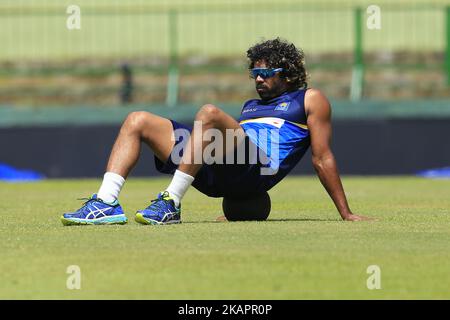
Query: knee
[[136, 120], [208, 114]]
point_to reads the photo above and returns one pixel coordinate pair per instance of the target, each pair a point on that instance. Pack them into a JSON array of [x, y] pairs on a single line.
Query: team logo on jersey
[[249, 110], [283, 106]]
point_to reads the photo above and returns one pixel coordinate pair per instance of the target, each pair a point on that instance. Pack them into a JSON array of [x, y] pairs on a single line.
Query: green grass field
[[304, 251]]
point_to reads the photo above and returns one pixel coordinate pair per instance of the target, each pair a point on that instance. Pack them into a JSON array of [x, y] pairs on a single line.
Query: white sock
[[110, 188], [180, 183]]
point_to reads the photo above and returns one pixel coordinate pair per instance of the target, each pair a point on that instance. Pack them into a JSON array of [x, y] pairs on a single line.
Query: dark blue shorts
[[220, 180]]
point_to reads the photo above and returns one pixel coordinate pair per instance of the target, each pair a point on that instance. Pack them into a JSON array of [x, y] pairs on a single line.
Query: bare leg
[[211, 117], [139, 127]]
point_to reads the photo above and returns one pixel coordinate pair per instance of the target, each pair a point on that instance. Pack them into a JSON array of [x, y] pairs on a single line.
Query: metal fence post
[[357, 84], [447, 43], [172, 79]]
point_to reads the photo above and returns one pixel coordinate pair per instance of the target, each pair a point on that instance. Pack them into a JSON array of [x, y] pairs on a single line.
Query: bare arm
[[319, 124]]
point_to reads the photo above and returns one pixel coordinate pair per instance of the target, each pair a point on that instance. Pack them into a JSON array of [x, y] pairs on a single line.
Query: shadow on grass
[[271, 220], [302, 219]]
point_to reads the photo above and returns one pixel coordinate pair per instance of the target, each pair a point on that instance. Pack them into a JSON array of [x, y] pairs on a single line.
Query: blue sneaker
[[161, 211], [95, 211]]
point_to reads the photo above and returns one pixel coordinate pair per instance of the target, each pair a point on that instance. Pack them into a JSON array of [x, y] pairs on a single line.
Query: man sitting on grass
[[289, 117]]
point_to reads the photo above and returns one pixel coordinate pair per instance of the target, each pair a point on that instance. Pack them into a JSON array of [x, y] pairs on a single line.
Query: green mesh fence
[[187, 33], [37, 29]]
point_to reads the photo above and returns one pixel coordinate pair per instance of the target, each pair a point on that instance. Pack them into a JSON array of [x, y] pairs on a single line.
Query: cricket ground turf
[[303, 251]]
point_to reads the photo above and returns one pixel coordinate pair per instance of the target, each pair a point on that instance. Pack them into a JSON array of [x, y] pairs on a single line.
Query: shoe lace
[[88, 201], [159, 202]]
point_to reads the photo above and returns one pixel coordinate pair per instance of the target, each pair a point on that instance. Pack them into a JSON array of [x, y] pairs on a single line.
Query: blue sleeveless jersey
[[279, 128]]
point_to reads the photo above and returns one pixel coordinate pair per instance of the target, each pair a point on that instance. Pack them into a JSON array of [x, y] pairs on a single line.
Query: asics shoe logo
[[168, 216], [98, 213]]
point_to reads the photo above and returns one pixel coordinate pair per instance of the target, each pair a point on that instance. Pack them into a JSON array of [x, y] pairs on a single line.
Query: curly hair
[[279, 53]]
